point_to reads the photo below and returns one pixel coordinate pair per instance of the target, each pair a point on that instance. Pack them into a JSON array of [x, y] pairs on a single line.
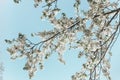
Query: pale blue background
[[25, 18]]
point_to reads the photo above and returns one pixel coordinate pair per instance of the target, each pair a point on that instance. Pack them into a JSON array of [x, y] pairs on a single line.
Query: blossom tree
[[92, 32]]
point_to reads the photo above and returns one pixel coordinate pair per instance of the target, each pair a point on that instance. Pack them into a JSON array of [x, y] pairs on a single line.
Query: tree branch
[[59, 33], [77, 22], [49, 3], [112, 36], [112, 11]]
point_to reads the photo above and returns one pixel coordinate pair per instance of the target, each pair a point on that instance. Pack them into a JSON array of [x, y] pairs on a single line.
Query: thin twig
[[49, 3], [73, 25], [112, 11]]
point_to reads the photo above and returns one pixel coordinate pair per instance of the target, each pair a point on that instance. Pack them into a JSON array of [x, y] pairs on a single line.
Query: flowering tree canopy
[[93, 32]]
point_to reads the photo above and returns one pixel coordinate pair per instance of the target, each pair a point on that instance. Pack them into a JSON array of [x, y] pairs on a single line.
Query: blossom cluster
[[94, 40]]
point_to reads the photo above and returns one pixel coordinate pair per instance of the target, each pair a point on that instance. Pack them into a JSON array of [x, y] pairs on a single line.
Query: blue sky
[[25, 18]]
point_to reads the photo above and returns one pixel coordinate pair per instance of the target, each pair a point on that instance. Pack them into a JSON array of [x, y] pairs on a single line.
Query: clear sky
[[25, 18]]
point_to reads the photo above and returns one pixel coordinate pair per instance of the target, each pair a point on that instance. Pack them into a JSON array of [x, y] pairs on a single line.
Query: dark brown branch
[[118, 26], [116, 10], [112, 18], [112, 11], [49, 3], [58, 33], [109, 21], [48, 38], [73, 25], [112, 36], [42, 42]]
